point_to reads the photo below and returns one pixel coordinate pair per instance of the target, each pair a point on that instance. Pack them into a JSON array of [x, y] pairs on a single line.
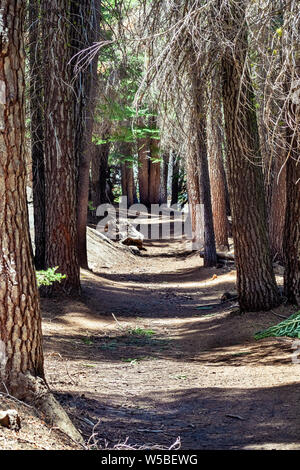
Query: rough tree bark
[[21, 353], [215, 159], [272, 144], [292, 222], [256, 284], [154, 169], [175, 178], [277, 208], [99, 174], [85, 32], [37, 133], [59, 129], [143, 170], [194, 199], [200, 132], [292, 227], [149, 169]]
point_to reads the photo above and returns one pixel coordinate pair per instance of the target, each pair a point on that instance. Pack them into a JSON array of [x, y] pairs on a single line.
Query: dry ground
[[134, 359]]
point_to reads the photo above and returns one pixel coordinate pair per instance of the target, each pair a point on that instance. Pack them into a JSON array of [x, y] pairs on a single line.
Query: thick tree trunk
[[20, 321], [85, 32], [292, 232], [256, 284], [292, 222], [37, 133], [272, 144], [60, 162], [215, 159], [21, 354]]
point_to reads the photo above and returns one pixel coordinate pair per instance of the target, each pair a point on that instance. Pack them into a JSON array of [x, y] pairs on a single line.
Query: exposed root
[[34, 391]]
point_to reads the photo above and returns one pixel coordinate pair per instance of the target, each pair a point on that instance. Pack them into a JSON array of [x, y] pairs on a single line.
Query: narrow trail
[[136, 358]]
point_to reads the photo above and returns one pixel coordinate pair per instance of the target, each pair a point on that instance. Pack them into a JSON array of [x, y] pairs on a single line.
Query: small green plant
[[91, 206], [48, 277], [179, 377], [140, 332], [87, 341]]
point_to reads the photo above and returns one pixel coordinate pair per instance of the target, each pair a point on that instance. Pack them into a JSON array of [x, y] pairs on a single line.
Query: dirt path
[[135, 356]]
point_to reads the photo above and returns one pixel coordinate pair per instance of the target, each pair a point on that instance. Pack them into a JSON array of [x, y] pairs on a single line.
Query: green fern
[[289, 327]]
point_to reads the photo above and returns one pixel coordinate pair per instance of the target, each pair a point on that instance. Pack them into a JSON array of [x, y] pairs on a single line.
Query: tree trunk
[[292, 232], [175, 179], [216, 166], [20, 322], [154, 167], [128, 189], [86, 32], [278, 208], [21, 353], [37, 133], [128, 182], [143, 170], [272, 144], [199, 129], [149, 170], [292, 90], [60, 162], [256, 284], [194, 199], [163, 196], [99, 174]]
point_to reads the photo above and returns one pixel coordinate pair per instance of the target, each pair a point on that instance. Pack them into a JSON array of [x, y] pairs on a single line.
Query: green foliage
[[117, 193], [88, 341], [126, 66], [48, 277], [116, 111], [124, 129], [91, 206], [289, 327], [141, 332]]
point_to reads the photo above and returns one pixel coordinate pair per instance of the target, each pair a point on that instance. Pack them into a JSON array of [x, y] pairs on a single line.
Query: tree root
[[34, 391]]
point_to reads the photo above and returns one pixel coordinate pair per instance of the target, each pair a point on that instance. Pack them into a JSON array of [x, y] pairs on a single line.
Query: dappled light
[[149, 227]]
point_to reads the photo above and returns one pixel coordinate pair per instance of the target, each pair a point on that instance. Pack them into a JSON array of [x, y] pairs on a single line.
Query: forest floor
[[133, 360]]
